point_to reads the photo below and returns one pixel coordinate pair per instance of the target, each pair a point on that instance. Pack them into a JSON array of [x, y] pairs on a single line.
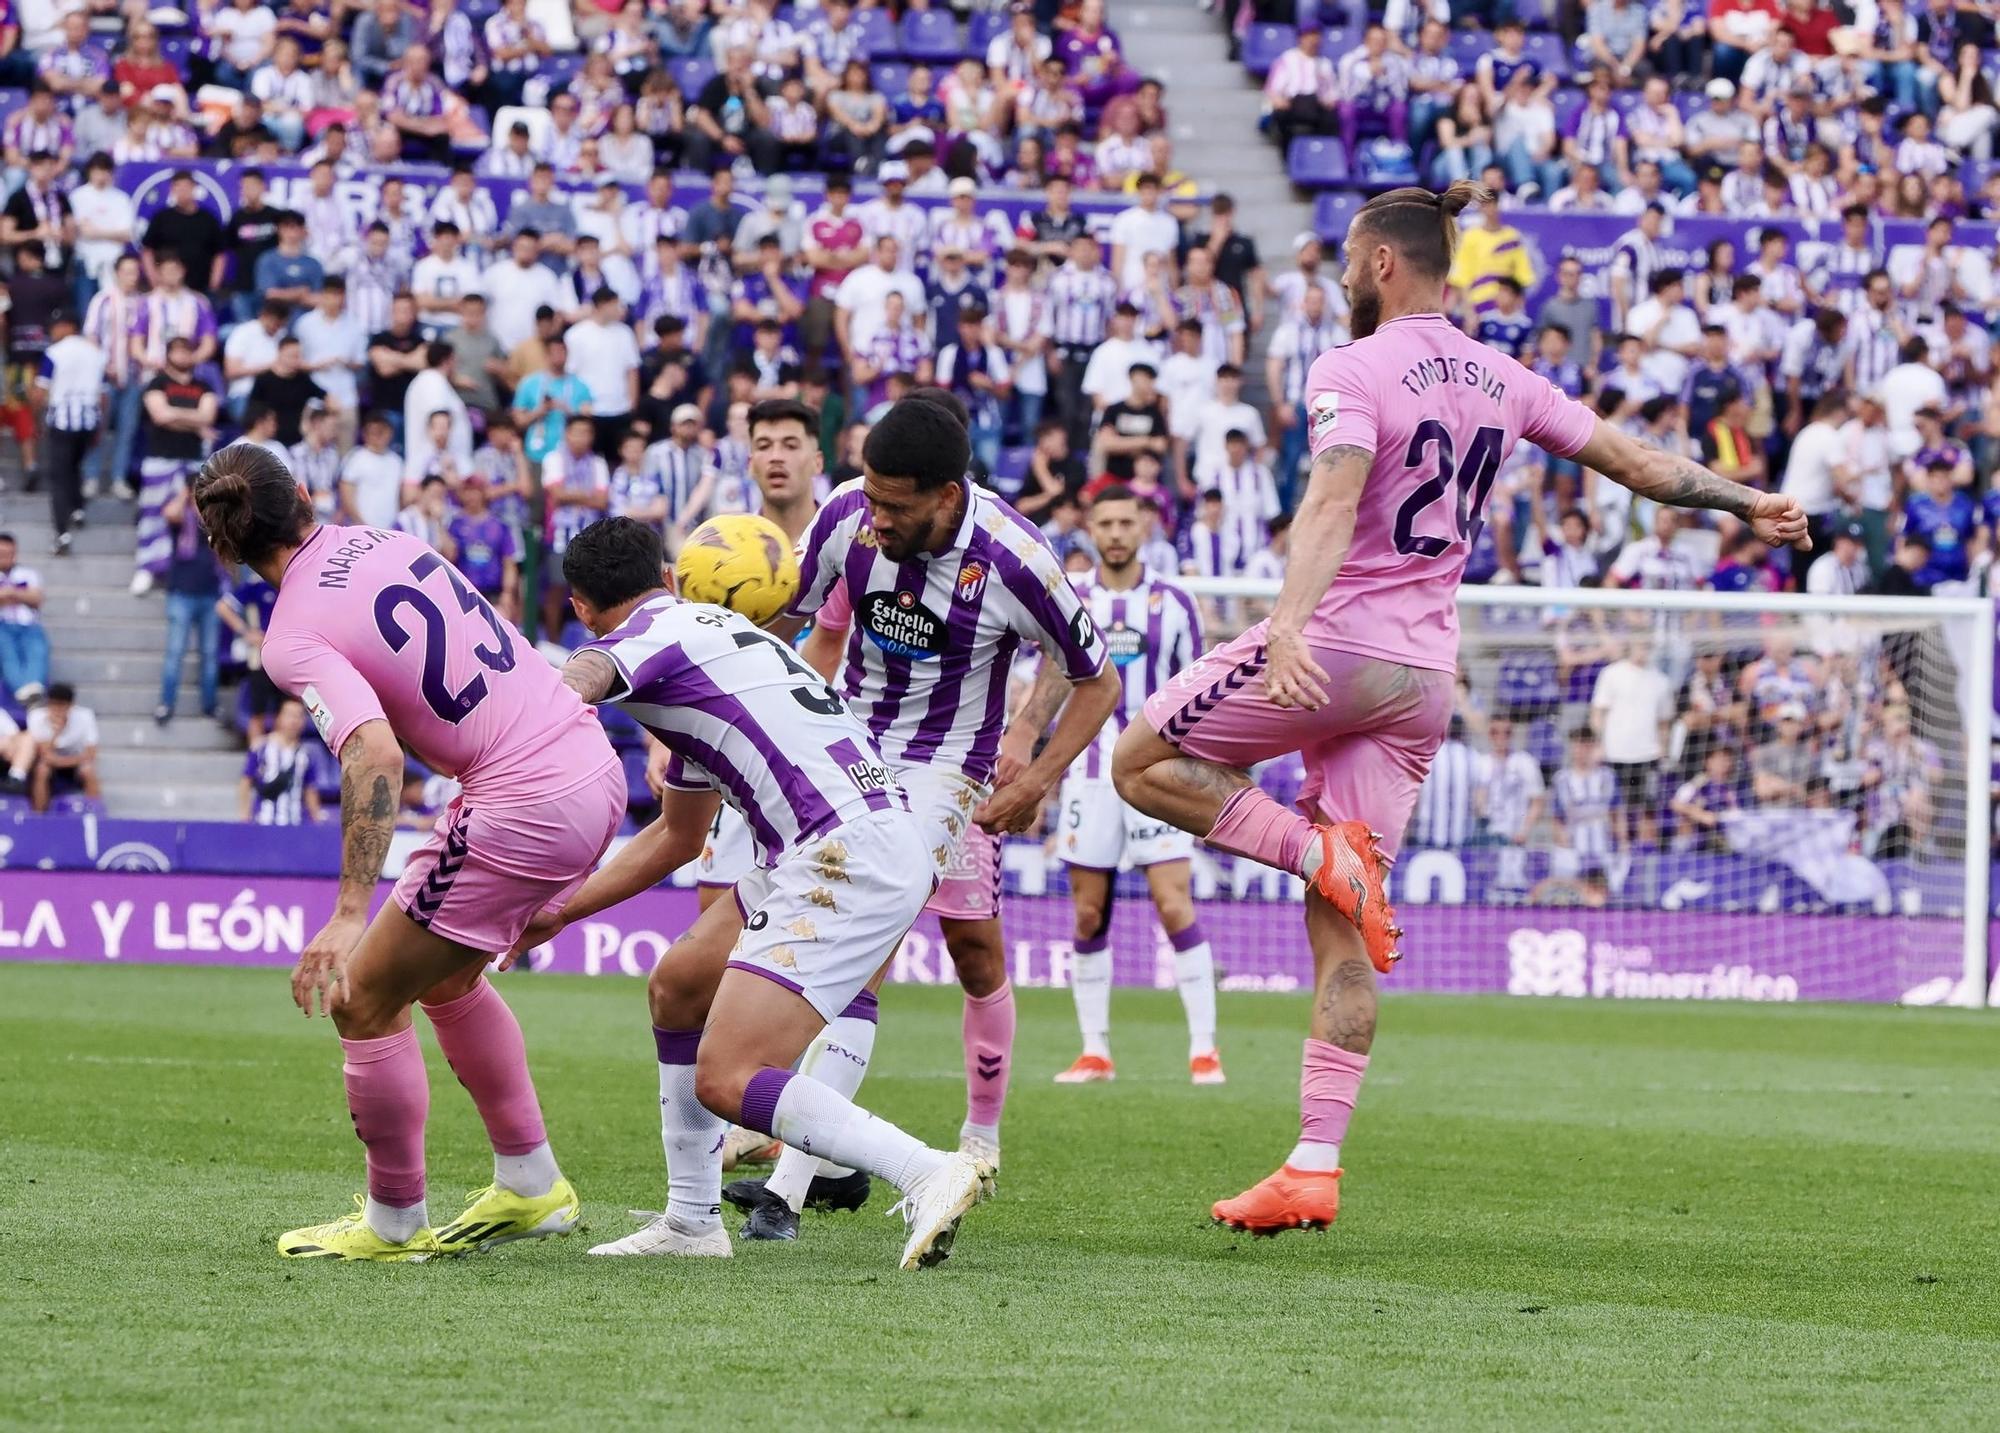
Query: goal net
[[1682, 795]]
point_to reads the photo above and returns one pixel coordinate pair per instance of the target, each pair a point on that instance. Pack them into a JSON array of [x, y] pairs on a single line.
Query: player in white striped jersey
[[1585, 790], [946, 581], [1151, 631], [747, 722]]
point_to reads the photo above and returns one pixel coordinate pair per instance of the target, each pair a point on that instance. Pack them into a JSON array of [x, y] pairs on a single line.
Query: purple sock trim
[[863, 1007], [760, 1098], [1096, 945], [1189, 938], [676, 1047]]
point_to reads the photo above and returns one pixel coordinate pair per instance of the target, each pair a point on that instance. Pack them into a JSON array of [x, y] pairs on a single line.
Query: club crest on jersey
[[902, 626], [971, 581], [1322, 413]]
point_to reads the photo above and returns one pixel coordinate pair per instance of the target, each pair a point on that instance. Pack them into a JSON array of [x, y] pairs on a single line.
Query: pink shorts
[[487, 870], [1365, 752], [969, 890]]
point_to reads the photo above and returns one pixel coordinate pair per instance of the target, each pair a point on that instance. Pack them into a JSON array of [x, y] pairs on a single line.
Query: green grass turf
[[1560, 1214]]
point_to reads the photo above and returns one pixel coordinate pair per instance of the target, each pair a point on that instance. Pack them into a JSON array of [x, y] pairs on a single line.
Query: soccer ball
[[739, 561]]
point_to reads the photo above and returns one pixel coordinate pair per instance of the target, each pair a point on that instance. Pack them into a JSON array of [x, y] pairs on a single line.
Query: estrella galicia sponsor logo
[[902, 626], [1126, 644]]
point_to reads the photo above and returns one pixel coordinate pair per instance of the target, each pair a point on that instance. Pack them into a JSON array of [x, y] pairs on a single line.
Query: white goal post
[[1853, 850]]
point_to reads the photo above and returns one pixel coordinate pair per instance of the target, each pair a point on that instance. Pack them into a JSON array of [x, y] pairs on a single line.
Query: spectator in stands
[[1781, 768], [1702, 802], [1584, 794], [65, 736], [1631, 708], [182, 410], [1443, 819], [277, 788], [24, 645], [193, 582], [1303, 90]]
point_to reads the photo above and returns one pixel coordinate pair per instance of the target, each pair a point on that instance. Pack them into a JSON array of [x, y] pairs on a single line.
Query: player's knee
[[454, 986], [365, 1013], [1176, 910], [1091, 919], [719, 1081], [978, 956], [673, 998]]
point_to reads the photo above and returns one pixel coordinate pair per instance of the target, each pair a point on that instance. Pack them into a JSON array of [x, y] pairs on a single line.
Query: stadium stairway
[[108, 644], [1212, 108]]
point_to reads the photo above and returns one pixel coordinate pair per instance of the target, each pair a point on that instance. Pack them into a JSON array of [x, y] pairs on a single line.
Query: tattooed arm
[[591, 675], [1321, 534], [371, 769], [1681, 482], [1031, 719]]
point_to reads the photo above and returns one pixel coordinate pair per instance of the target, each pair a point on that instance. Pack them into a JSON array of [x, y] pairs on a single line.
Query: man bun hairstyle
[[922, 440], [250, 503], [1421, 225]]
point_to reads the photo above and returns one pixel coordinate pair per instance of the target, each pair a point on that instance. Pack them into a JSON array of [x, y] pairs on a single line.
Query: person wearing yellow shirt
[[1485, 255]]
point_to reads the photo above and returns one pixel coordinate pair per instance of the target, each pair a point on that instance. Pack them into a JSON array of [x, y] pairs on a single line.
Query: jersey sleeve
[[336, 696], [1551, 419], [836, 614], [1055, 616], [1340, 402], [683, 775], [823, 549]]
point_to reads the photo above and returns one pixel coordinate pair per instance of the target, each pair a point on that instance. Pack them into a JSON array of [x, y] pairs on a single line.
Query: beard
[[1365, 301]]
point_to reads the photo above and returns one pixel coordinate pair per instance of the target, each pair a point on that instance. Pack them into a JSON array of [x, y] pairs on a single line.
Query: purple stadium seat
[[1012, 467], [931, 36], [1339, 39], [890, 77], [1974, 173], [174, 50], [1264, 44], [1688, 101], [1550, 53], [1526, 686], [1566, 101], [1332, 213], [1625, 101], [691, 74], [986, 24], [1466, 46], [1317, 162], [878, 29]]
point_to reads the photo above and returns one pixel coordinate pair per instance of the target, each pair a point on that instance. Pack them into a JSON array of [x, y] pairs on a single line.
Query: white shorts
[[825, 919], [1101, 831], [727, 856], [965, 858]]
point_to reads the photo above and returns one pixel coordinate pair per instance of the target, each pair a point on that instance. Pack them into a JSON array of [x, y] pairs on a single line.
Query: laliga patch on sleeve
[[321, 714], [1322, 414]]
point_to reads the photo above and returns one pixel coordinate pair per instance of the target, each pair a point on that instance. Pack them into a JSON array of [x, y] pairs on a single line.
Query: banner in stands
[[1684, 243], [217, 182], [107, 917]]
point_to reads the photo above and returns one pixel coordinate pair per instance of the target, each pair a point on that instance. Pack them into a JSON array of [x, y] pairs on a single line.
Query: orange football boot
[[1353, 879], [1289, 1199], [1207, 1069], [1088, 1070]]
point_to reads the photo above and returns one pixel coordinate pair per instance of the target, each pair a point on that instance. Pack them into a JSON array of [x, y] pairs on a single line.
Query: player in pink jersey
[[1354, 667], [388, 646]]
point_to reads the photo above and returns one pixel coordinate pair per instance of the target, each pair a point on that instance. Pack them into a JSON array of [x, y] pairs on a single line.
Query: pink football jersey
[[372, 624], [1440, 412]]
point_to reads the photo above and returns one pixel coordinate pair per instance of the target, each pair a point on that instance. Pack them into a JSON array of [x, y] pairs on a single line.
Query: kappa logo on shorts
[[784, 955], [804, 929], [823, 898], [830, 861]]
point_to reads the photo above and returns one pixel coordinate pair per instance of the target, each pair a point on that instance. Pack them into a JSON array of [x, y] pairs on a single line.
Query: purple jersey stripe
[[983, 757], [954, 666], [813, 584], [897, 671]]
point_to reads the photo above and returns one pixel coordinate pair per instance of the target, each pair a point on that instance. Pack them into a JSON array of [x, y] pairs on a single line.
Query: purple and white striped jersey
[[744, 716], [1151, 631], [934, 637]]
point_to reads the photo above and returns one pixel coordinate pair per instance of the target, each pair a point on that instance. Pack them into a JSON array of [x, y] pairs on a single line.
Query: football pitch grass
[[1558, 1214]]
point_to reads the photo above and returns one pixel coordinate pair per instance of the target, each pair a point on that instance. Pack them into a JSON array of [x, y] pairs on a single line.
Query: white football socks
[[1313, 1157], [838, 1059], [1090, 987], [1194, 973], [532, 1174], [398, 1226], [811, 1116], [692, 1138]]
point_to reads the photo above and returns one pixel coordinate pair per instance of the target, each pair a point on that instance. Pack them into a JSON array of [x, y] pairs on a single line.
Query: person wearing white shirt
[[1107, 378], [1910, 385], [1510, 791], [1221, 415], [252, 348], [1669, 329], [1818, 468], [1143, 229], [464, 204], [863, 296], [1864, 439], [1630, 709], [334, 348], [443, 277], [604, 354], [515, 288], [432, 391], [105, 222], [371, 478]]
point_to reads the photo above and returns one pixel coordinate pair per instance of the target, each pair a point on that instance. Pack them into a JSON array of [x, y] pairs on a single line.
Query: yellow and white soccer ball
[[740, 561]]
